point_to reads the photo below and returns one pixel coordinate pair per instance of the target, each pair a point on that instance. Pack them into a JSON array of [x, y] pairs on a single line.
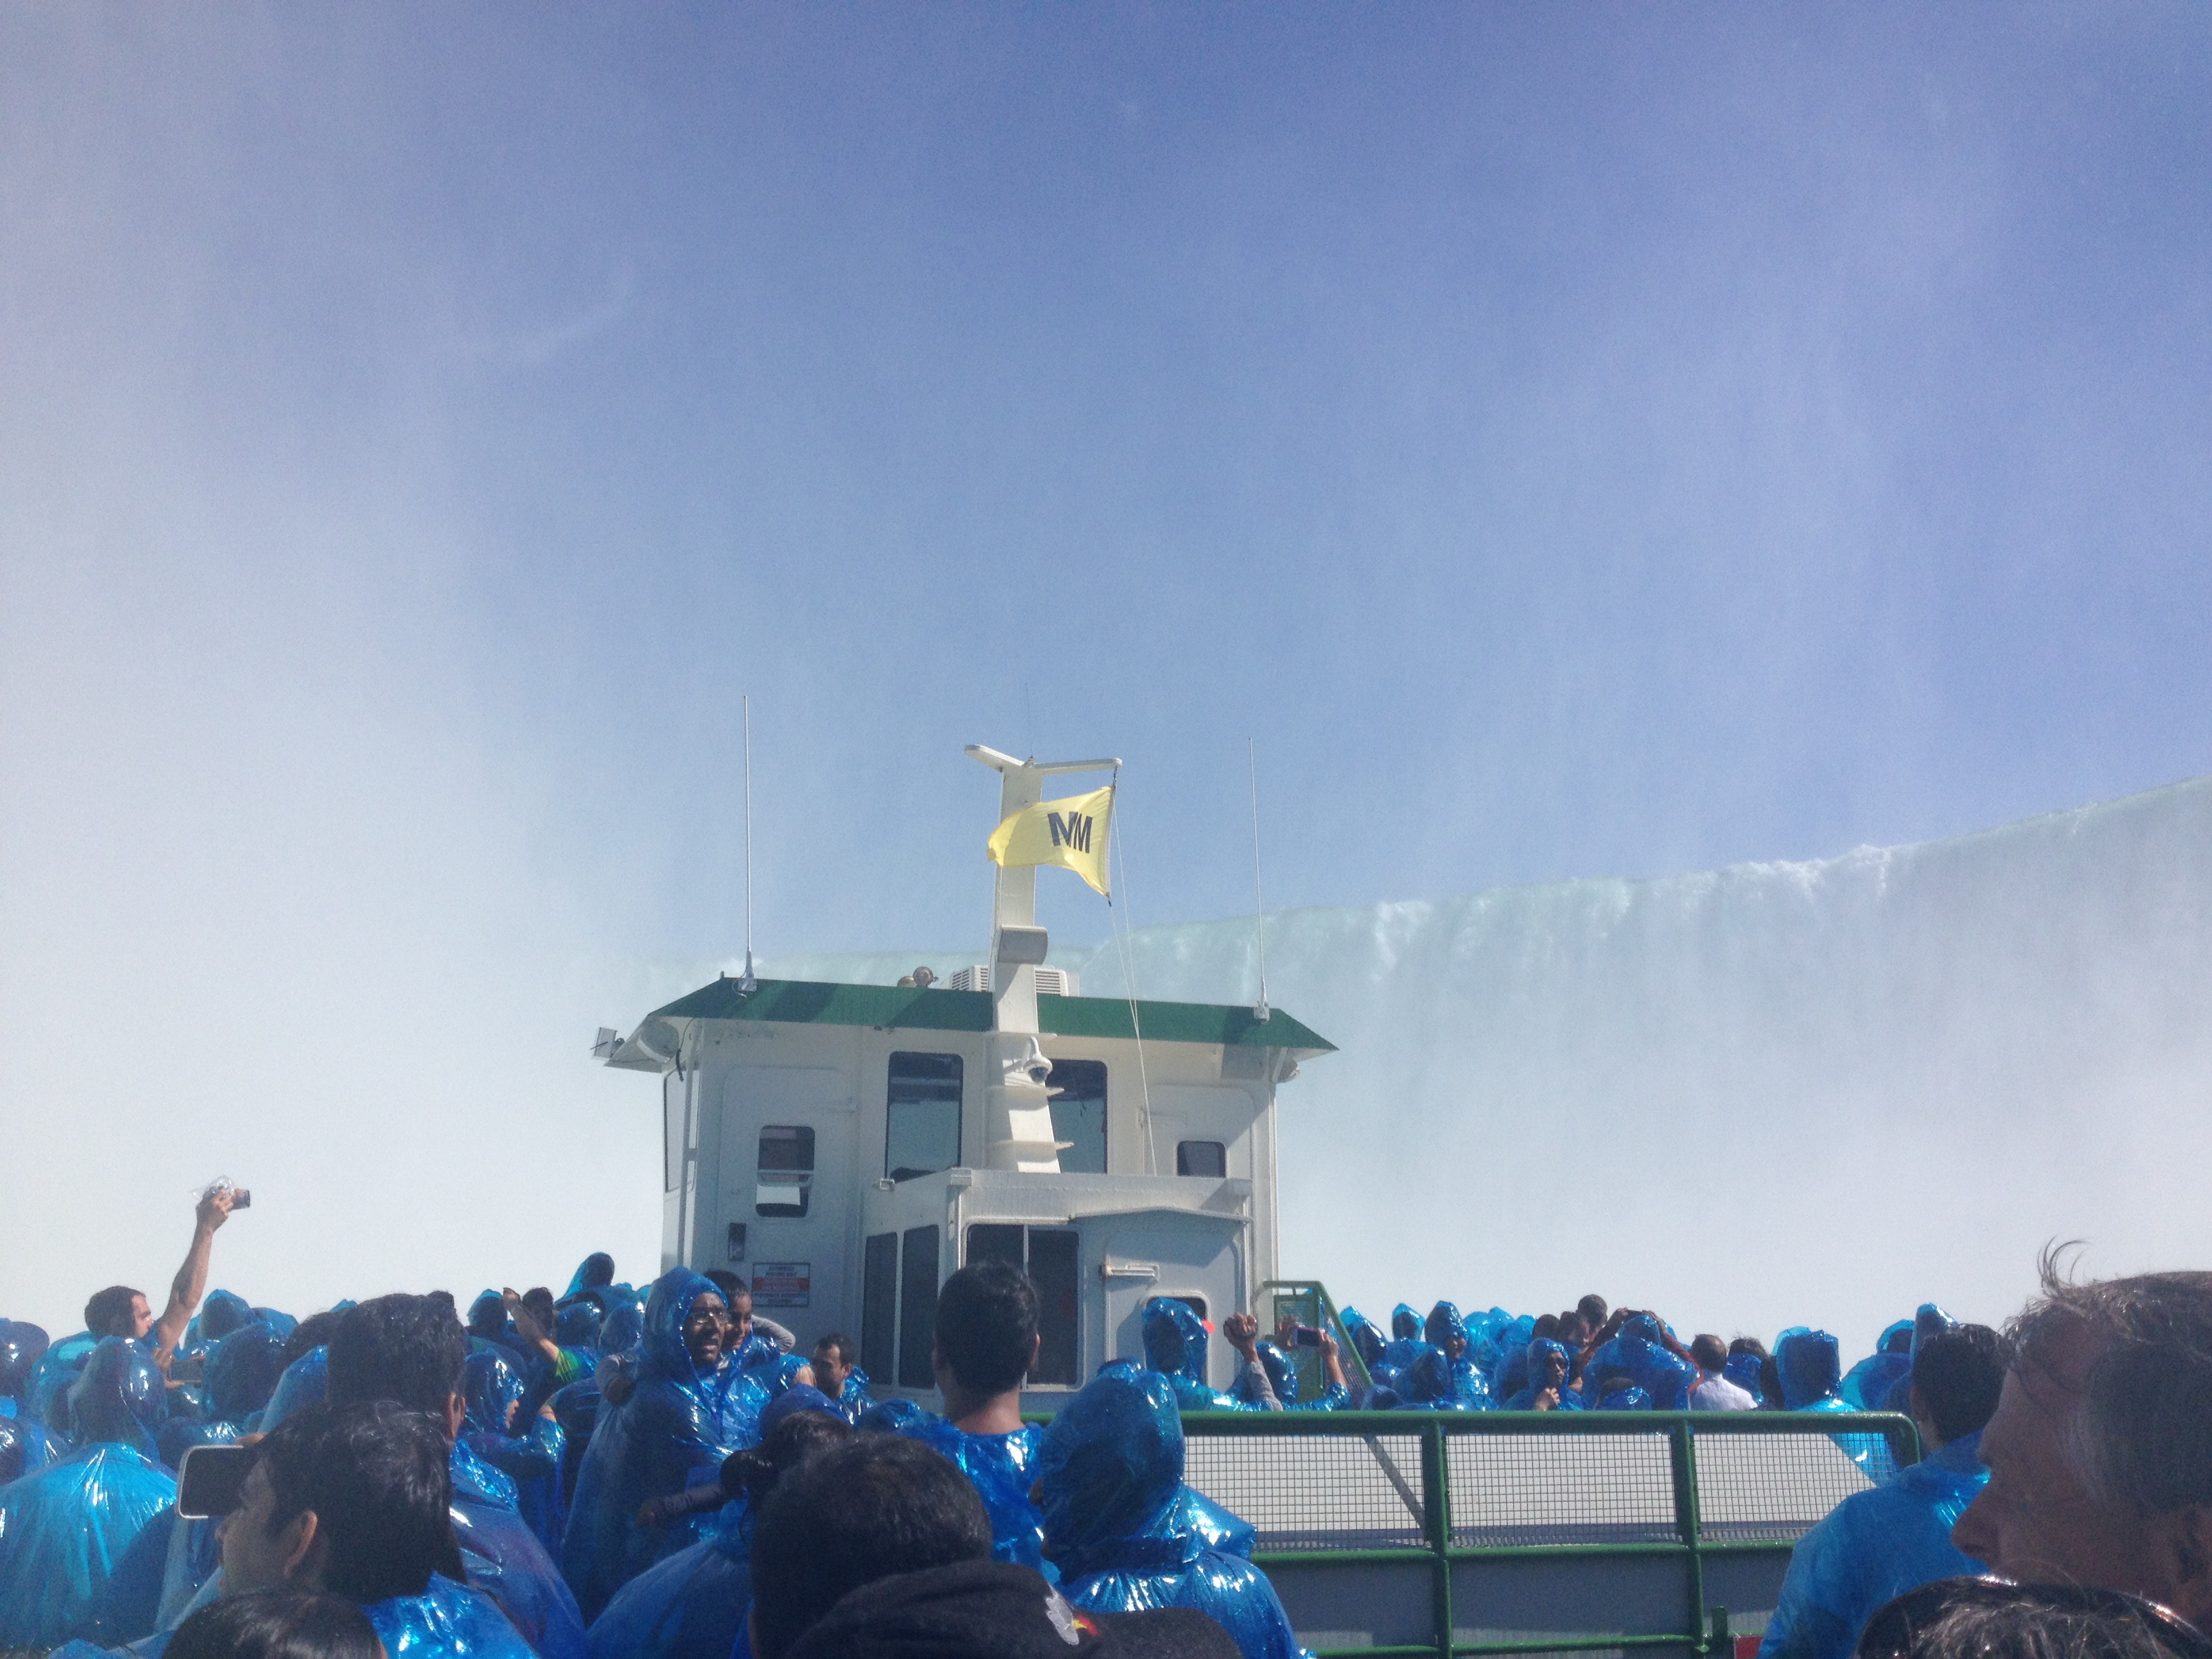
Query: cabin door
[[1200, 1258], [787, 1192]]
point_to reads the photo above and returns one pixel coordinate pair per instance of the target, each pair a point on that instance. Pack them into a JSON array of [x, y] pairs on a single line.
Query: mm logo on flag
[[1071, 833]]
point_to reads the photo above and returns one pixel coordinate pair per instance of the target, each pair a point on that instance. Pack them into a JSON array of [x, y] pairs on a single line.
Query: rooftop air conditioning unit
[[1050, 981], [977, 978]]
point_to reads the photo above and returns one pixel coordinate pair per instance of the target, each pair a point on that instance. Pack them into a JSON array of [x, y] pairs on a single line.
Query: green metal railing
[[1307, 1301], [1538, 1531]]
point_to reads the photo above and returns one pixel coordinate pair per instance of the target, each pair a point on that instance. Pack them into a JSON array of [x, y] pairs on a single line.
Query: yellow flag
[[1070, 833]]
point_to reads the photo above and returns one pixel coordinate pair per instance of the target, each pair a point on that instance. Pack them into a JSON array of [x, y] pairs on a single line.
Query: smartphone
[[1307, 1337], [211, 1480], [241, 1199]]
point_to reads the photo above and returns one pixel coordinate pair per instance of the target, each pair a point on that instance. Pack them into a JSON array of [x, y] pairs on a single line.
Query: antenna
[[747, 983], [1261, 1011]]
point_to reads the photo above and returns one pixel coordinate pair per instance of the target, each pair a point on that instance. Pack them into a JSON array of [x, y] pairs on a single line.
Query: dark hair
[[987, 1326], [1750, 1345], [749, 1475], [1993, 1619], [408, 1349], [1547, 1327], [1770, 1384], [107, 1308], [1705, 1348], [1957, 1375], [281, 1623], [725, 1281], [537, 1301], [2144, 1435], [378, 1479], [876, 1505], [1592, 1308], [309, 1334], [839, 1344]]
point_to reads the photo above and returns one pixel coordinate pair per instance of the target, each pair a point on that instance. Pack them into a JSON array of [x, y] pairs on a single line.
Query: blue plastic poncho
[[673, 1431], [576, 1323], [277, 1321], [506, 1562], [690, 1605], [1446, 1331], [46, 1398], [889, 1416], [1405, 1340], [1405, 1323], [1628, 1398], [21, 1346], [83, 1541], [774, 1371], [1511, 1340], [1541, 1349], [305, 1383], [1811, 1369], [1873, 1546], [447, 1621], [223, 1312], [243, 1371], [1663, 1375], [12, 1441], [1366, 1340], [195, 1550], [1427, 1383], [1743, 1369], [492, 1390], [596, 1272], [1002, 1468], [1109, 1471], [1175, 1346]]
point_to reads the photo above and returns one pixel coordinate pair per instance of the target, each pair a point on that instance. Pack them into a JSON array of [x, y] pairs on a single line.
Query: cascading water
[[1778, 1093]]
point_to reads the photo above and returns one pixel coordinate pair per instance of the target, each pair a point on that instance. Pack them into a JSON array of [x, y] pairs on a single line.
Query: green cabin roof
[[813, 1002]]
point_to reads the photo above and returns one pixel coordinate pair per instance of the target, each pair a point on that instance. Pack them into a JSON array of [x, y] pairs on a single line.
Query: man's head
[[538, 1302], [1572, 1328], [1956, 1381], [1593, 1309], [353, 1499], [2101, 1450], [707, 1330], [877, 1505], [118, 1310], [832, 1362], [277, 1623], [737, 1304], [987, 1329], [409, 1350], [1709, 1352]]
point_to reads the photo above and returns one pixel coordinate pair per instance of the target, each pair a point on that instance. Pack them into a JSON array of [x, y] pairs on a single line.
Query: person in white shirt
[[1713, 1392]]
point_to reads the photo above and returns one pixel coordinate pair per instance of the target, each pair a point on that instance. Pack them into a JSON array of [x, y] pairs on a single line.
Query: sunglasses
[[1896, 1629]]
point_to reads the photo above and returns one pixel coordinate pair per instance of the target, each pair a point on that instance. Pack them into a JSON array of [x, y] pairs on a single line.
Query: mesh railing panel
[[1560, 1489], [1315, 1491], [1776, 1488]]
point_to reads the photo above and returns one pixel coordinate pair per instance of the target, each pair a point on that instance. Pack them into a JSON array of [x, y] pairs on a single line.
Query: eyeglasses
[[1895, 1629]]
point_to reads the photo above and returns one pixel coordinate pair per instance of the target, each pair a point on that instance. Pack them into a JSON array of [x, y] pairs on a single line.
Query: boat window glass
[[671, 1131], [917, 1322], [1195, 1303], [1201, 1157], [1078, 1114], [787, 1162], [921, 1117], [879, 1303], [1047, 1256]]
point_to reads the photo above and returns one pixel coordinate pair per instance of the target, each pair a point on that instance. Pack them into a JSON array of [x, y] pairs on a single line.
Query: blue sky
[[1570, 441]]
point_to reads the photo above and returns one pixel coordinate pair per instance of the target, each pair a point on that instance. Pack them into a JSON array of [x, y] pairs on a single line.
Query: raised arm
[[191, 1282]]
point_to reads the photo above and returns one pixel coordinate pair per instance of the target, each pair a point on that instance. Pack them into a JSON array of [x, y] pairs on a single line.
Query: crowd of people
[[664, 1473]]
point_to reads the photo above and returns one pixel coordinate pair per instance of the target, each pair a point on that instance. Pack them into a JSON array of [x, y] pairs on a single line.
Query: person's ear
[[1036, 1348], [305, 1546], [456, 1413]]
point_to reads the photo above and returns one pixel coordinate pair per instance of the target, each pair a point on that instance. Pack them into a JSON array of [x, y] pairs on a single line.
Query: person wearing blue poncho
[[82, 1542], [688, 1407], [837, 1374], [1809, 1365], [1109, 1476], [692, 1605], [1446, 1332], [242, 1372], [987, 1340], [1547, 1389], [354, 1499], [1283, 1378], [412, 1351], [1175, 1346], [1877, 1545], [493, 1391]]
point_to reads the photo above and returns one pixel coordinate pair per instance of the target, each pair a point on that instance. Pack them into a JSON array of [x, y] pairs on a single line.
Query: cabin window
[[917, 1320], [921, 1117], [879, 1304], [1195, 1303], [1047, 1256], [1201, 1157], [786, 1180], [1078, 1114], [671, 1131]]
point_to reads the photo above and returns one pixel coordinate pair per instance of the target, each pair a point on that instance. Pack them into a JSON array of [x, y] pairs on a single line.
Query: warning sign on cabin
[[783, 1284]]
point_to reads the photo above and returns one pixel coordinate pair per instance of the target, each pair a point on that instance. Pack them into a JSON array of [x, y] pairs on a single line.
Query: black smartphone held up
[[1307, 1337], [241, 1199], [211, 1480]]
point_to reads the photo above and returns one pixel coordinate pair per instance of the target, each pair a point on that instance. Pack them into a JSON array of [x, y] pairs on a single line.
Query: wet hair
[[1593, 1309], [409, 1349], [309, 1334], [749, 1475], [1957, 1375], [2141, 1435], [378, 1479], [987, 1326], [839, 1344], [282, 1623], [109, 1309], [1705, 1348], [877, 1505]]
